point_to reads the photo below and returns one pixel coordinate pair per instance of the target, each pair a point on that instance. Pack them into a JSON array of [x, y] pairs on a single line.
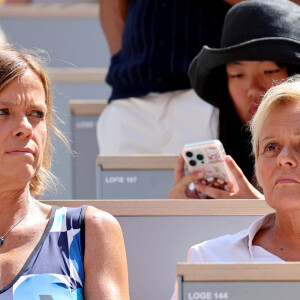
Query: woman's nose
[[23, 128], [286, 158], [256, 89]]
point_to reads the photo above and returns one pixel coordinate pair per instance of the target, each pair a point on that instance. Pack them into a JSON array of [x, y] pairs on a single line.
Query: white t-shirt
[[234, 248]]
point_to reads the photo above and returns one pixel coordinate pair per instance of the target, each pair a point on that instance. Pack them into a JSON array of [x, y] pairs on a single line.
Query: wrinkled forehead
[[26, 87], [285, 116]]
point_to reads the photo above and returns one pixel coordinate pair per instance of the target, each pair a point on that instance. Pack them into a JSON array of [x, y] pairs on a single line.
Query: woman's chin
[[284, 198], [21, 174]]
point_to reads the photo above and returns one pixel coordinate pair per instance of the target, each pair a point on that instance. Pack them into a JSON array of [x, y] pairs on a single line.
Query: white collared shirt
[[234, 248]]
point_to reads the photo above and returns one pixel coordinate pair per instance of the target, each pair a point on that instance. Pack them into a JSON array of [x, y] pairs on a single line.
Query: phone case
[[208, 157]]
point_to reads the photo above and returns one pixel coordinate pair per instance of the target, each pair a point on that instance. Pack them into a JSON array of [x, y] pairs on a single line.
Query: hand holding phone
[[208, 157]]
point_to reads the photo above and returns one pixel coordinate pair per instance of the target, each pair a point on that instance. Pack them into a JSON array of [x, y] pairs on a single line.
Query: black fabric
[[234, 135], [160, 39], [82, 228]]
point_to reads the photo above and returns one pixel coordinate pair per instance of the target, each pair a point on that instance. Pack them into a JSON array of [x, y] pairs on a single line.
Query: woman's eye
[[4, 111], [38, 114], [272, 71], [236, 75], [271, 147]]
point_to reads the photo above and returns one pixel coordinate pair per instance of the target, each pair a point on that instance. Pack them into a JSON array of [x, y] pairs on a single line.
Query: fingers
[[246, 189], [193, 194], [214, 192], [179, 169], [181, 189], [191, 177], [182, 178], [235, 169]]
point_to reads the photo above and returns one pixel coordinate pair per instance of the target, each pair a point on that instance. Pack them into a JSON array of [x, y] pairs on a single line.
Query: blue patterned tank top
[[54, 270]]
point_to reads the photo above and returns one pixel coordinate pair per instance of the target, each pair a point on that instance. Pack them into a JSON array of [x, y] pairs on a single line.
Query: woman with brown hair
[[54, 252]]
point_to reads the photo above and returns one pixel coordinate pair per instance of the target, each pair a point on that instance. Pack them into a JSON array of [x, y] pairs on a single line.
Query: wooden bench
[[136, 176], [84, 10], [78, 75]]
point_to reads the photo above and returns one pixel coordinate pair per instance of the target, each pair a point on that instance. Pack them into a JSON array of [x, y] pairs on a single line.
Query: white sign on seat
[[136, 176], [238, 281]]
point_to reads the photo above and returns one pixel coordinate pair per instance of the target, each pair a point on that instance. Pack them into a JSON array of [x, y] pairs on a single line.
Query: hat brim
[[203, 71]]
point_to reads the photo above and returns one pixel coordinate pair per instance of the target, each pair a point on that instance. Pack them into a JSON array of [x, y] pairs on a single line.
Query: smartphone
[[208, 157]]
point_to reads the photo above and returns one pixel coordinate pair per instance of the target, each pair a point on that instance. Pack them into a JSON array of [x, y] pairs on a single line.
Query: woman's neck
[[281, 236], [13, 205], [287, 228]]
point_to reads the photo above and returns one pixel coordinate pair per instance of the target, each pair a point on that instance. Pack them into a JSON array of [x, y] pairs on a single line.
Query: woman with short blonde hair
[[276, 141]]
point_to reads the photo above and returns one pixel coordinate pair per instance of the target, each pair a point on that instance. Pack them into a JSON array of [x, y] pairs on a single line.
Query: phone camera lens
[[200, 157], [189, 154], [192, 162]]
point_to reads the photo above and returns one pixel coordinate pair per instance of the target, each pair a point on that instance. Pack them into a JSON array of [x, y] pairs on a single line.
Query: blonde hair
[[281, 94], [13, 64]]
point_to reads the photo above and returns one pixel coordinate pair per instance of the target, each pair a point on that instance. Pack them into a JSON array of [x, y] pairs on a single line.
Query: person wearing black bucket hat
[[260, 47], [253, 31]]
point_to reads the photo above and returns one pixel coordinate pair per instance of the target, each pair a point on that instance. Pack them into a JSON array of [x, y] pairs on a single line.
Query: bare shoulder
[[98, 219], [102, 225], [105, 257]]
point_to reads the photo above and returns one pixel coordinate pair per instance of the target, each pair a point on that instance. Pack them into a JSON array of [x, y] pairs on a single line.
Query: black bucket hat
[[253, 30]]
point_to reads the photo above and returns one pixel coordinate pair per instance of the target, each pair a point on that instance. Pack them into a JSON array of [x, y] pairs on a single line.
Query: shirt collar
[[249, 234]]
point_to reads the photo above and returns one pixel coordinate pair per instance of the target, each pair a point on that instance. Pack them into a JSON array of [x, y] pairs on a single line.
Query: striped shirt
[[160, 39]]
